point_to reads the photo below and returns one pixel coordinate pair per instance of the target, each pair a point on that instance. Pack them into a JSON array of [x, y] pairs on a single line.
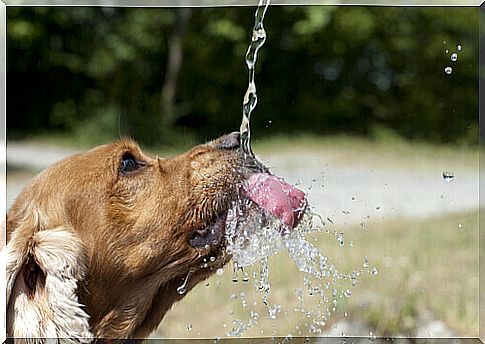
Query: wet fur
[[93, 252]]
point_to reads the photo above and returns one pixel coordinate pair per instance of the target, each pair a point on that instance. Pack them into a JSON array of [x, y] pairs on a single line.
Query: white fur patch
[[53, 311]]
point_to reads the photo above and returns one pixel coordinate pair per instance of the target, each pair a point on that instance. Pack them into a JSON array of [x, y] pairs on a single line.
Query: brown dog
[[99, 244]]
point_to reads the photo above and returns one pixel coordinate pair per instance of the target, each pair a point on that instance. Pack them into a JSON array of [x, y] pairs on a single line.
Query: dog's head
[[124, 230]]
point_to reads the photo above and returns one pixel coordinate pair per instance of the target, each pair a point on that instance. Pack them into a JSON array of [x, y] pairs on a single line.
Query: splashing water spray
[[274, 216], [250, 98]]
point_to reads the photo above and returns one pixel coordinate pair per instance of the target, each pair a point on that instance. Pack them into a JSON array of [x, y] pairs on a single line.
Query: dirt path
[[355, 193], [347, 194]]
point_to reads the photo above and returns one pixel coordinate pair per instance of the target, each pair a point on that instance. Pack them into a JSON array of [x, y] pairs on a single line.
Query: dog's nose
[[229, 141]]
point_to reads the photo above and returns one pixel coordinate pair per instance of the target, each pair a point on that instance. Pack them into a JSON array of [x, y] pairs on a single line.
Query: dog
[[99, 244]]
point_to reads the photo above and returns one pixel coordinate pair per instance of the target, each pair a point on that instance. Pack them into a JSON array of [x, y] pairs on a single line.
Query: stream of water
[[250, 97], [253, 235]]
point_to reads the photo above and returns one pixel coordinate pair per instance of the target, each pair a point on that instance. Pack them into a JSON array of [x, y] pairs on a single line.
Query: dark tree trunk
[[174, 65]]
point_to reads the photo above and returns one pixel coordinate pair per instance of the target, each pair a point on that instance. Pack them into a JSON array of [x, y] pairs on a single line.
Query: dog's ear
[[44, 270]]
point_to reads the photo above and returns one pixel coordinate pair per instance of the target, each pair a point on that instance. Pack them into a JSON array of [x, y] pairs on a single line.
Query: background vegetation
[[97, 73]]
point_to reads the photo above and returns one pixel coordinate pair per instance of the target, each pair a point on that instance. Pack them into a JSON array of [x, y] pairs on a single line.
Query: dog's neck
[[136, 309]]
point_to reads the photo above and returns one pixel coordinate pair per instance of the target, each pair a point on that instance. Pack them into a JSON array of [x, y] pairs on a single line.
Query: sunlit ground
[[427, 270], [427, 267], [421, 236]]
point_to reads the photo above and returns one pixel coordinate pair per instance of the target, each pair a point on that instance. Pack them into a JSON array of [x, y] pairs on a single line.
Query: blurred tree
[[174, 65], [373, 71]]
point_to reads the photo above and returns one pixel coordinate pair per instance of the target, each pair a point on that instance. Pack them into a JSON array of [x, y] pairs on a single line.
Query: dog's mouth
[[261, 192], [210, 235]]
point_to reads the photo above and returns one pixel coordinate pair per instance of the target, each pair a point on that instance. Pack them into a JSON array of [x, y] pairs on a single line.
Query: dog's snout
[[229, 141]]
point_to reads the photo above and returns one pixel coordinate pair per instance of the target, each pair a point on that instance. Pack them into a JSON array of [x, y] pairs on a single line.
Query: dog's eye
[[128, 163]]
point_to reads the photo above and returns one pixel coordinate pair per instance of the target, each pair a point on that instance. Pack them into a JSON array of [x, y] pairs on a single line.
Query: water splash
[[238, 328], [250, 98], [273, 310], [246, 222], [253, 235]]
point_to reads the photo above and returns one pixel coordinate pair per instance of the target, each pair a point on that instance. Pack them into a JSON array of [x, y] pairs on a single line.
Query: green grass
[[426, 270]]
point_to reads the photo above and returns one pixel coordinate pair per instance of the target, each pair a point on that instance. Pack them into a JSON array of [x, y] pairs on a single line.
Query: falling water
[[250, 98], [253, 235], [183, 287]]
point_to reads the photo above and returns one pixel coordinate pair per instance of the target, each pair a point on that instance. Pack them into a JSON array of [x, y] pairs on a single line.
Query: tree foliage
[[99, 72]]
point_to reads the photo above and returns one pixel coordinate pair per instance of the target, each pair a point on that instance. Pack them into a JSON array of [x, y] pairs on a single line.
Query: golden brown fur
[[126, 241]]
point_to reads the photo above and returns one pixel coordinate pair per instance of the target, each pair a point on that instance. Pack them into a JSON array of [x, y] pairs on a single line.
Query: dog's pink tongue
[[277, 197]]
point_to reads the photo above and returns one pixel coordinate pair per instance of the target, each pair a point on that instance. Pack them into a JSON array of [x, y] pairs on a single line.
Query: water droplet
[[235, 273], [340, 239], [212, 259], [347, 293], [189, 327], [183, 288], [448, 176], [365, 265], [345, 314], [245, 276], [459, 225], [454, 57], [459, 47], [448, 70], [219, 272], [447, 51], [374, 271], [233, 297], [351, 243]]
